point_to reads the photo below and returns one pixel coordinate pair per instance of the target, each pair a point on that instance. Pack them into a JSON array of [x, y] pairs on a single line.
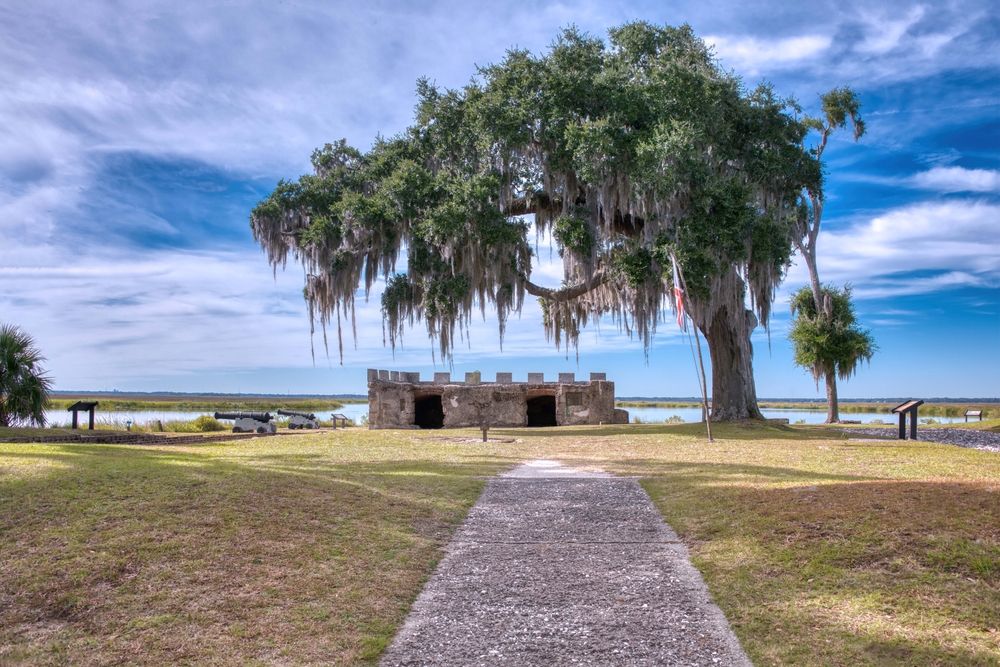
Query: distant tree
[[830, 344], [631, 154], [24, 386], [840, 106]]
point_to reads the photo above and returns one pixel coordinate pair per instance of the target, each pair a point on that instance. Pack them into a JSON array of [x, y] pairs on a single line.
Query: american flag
[[679, 298]]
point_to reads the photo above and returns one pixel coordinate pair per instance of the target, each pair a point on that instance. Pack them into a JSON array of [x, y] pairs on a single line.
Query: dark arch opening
[[542, 411], [428, 413]]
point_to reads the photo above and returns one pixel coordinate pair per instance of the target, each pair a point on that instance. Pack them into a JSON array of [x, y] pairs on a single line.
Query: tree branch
[[566, 293]]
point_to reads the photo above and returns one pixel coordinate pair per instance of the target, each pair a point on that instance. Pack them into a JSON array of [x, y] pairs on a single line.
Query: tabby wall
[[401, 400]]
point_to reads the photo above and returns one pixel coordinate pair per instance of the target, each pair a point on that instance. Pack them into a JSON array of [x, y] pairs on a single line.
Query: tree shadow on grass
[[748, 430], [830, 570], [153, 556]]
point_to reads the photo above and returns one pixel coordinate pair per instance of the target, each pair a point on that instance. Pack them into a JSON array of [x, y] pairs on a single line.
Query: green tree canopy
[[24, 386], [630, 153], [830, 343]]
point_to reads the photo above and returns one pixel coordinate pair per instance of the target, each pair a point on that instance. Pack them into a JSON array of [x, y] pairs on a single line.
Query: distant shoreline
[[673, 400], [178, 395]]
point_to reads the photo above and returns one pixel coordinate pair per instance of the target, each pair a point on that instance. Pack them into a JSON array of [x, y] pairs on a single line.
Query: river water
[[353, 411], [356, 411]]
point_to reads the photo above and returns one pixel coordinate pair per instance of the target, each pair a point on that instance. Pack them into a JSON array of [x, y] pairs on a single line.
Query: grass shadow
[[219, 554], [822, 569]]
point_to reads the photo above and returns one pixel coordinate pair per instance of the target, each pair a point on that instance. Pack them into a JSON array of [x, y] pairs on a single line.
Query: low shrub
[[207, 423]]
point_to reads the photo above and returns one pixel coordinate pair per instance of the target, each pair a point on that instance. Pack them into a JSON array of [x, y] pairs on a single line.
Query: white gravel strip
[[963, 437]]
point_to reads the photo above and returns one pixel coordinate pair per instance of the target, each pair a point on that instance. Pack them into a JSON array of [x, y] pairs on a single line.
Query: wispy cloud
[[914, 249], [943, 179], [750, 55], [958, 179], [180, 314], [883, 32]]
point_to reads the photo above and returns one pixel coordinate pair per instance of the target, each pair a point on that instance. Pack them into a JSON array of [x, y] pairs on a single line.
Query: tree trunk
[[832, 409], [734, 395]]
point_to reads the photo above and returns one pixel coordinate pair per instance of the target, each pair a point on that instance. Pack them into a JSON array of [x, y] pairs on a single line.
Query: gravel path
[[962, 437], [559, 567]]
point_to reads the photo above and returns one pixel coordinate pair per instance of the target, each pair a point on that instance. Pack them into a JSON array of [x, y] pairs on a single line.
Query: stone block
[[594, 377], [442, 378], [413, 378], [383, 376], [475, 377], [567, 378], [536, 378], [505, 378], [394, 376], [372, 375]]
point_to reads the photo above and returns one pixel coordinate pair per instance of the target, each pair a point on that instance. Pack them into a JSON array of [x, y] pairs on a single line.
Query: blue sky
[[136, 136]]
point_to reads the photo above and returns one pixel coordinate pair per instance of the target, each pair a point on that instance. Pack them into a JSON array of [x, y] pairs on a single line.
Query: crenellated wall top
[[475, 378]]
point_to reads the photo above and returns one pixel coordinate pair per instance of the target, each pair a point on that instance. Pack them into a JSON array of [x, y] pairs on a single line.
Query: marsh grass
[[310, 549], [202, 403]]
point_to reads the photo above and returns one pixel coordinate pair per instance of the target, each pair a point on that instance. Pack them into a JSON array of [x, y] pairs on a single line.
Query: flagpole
[[704, 392], [703, 385]]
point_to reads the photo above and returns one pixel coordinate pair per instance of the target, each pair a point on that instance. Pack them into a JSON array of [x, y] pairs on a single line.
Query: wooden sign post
[[910, 407]]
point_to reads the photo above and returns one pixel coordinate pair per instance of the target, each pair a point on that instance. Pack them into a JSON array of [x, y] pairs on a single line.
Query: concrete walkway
[[559, 567]]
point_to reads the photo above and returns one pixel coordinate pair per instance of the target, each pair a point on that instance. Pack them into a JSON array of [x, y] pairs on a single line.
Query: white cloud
[[748, 55], [958, 179], [915, 249], [165, 315], [882, 33]]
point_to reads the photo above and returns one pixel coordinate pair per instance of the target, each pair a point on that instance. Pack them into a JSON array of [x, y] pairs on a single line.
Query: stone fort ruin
[[400, 400]]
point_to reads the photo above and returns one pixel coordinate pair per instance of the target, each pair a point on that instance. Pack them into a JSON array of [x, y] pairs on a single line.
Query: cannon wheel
[[237, 429], [261, 429], [292, 427]]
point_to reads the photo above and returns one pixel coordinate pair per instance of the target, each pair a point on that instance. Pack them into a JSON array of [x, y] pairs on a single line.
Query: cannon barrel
[[293, 413], [259, 416]]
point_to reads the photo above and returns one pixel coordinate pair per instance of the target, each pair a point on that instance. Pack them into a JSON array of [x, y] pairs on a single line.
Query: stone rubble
[[962, 437]]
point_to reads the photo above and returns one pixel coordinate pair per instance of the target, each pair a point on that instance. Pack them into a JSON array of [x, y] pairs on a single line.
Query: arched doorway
[[542, 411], [428, 413]]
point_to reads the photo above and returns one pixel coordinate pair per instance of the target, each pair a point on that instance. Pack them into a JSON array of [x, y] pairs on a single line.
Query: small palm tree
[[830, 346], [24, 386]]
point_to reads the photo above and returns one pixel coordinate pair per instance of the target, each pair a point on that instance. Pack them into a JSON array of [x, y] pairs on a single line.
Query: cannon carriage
[[249, 422], [300, 419]]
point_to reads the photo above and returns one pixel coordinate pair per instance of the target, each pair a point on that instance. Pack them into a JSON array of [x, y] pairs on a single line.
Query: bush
[[208, 423]]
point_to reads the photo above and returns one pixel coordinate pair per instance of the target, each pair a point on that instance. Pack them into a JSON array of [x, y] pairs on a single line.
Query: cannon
[[300, 419], [249, 422]]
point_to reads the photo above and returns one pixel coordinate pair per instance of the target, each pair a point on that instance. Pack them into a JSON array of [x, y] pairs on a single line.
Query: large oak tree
[[630, 153]]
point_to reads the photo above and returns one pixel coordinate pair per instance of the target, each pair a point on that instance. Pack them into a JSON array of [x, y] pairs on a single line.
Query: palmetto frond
[[24, 385]]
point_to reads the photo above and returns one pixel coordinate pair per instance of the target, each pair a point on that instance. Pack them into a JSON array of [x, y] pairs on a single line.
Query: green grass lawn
[[310, 549]]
